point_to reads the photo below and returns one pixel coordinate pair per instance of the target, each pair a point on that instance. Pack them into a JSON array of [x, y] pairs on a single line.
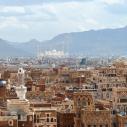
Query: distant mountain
[[8, 50], [93, 42], [30, 47], [100, 42]]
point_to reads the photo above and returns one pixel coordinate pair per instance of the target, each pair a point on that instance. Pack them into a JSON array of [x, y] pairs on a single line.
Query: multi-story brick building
[[119, 99], [86, 113]]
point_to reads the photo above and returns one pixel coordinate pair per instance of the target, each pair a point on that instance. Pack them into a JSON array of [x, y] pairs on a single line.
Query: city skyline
[[43, 19]]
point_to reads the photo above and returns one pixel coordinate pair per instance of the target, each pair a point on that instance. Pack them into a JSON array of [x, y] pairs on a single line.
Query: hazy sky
[[22, 20]]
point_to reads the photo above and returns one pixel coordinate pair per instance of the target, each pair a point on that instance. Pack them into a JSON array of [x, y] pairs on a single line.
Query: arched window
[[88, 101], [84, 103], [51, 119], [78, 102]]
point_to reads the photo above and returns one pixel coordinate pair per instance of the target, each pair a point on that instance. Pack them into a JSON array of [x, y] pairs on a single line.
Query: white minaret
[[21, 89]]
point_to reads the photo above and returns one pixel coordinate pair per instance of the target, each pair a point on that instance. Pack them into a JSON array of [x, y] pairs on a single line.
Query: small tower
[[21, 76], [82, 100], [20, 106], [20, 88]]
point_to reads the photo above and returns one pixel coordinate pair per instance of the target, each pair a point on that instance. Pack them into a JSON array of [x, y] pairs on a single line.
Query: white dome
[[66, 99]]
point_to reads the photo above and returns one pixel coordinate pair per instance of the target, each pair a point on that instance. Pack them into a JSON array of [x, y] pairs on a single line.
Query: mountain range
[[94, 42]]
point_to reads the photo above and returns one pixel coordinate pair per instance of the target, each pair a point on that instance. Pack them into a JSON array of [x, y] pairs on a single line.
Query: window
[[47, 115], [114, 125], [82, 125], [47, 119], [106, 125], [19, 116], [37, 116], [88, 102], [51, 119], [83, 102], [37, 120], [123, 100], [78, 102], [54, 120]]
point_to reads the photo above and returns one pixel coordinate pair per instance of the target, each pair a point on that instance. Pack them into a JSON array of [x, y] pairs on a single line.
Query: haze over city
[[63, 63]]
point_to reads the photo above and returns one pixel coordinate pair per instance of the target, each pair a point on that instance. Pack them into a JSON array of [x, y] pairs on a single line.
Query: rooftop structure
[[52, 54]]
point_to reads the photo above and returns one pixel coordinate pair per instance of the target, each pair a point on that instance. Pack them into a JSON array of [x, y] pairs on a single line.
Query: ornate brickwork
[[82, 100], [119, 99], [96, 118], [87, 115]]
